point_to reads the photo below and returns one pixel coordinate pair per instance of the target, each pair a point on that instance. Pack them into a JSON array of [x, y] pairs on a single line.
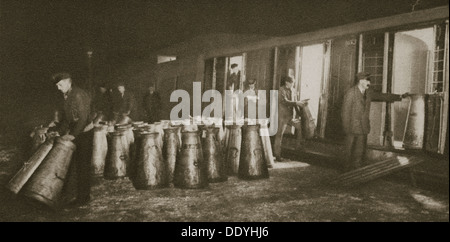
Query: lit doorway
[[235, 73], [410, 73], [218, 73], [311, 60]]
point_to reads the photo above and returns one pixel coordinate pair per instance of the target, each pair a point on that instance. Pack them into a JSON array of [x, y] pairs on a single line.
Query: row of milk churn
[[152, 156], [180, 154]]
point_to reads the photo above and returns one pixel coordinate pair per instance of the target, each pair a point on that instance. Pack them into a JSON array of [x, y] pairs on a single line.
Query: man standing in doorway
[[234, 79], [356, 120], [152, 104], [76, 125], [286, 104]]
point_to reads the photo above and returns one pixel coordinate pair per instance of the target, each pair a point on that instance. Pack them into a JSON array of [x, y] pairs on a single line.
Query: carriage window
[[165, 58], [372, 57], [412, 51], [437, 82]]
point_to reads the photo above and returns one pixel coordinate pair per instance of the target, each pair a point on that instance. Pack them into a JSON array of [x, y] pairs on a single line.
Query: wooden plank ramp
[[375, 170]]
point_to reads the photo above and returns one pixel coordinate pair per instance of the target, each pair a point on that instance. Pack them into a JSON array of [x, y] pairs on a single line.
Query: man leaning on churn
[[77, 126]]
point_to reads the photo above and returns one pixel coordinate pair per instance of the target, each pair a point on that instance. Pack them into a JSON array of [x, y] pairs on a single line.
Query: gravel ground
[[295, 191]]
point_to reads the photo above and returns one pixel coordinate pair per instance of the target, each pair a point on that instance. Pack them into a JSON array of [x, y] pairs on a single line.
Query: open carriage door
[[436, 123], [342, 75], [443, 148], [420, 67], [312, 81], [286, 64], [259, 66]]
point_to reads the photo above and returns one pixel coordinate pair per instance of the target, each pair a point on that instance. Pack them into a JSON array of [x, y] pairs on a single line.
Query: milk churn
[[233, 149], [415, 123], [151, 171], [117, 156], [265, 138], [128, 130], [46, 184], [179, 128], [221, 135], [171, 148], [29, 167], [132, 149], [217, 123], [131, 170], [213, 155], [157, 127], [190, 168], [252, 160], [99, 149], [201, 133], [189, 126], [307, 122], [160, 130]]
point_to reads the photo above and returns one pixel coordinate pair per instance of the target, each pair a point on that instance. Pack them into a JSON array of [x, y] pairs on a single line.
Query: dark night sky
[[40, 37]]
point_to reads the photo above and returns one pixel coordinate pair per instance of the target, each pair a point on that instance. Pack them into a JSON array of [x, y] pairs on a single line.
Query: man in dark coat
[[76, 125], [124, 103], [152, 105], [234, 79], [102, 102], [356, 120], [287, 101]]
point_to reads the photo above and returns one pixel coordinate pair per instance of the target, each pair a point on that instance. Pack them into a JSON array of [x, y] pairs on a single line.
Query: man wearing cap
[[287, 101], [251, 99], [76, 125], [356, 120], [152, 104], [234, 78], [123, 103]]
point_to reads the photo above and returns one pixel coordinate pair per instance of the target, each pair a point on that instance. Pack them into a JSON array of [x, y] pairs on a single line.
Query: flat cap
[[363, 75], [60, 76], [251, 81], [285, 79]]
